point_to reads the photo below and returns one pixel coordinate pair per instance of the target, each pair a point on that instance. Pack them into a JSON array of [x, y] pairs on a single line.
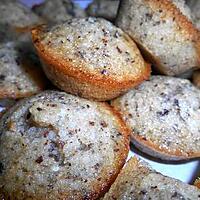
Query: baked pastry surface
[[21, 74], [138, 180], [164, 32], [58, 146], [164, 116], [90, 57]]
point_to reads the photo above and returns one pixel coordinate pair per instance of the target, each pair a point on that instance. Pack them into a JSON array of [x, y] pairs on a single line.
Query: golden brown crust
[[184, 29], [137, 180], [189, 31], [197, 183], [121, 159], [126, 176], [105, 177], [80, 81], [153, 149], [179, 18], [164, 154], [196, 78]]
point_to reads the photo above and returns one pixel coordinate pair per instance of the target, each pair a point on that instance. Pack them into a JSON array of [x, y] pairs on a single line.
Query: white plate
[[186, 172]]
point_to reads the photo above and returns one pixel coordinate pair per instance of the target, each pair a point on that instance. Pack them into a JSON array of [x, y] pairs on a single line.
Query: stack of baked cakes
[[68, 137]]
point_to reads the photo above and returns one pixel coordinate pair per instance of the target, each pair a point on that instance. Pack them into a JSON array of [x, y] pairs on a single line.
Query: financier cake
[[138, 180], [164, 32], [90, 57], [164, 116], [58, 146], [21, 74], [15, 19]]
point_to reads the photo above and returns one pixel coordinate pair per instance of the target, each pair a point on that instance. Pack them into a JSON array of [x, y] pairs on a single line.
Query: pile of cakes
[[76, 89]]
